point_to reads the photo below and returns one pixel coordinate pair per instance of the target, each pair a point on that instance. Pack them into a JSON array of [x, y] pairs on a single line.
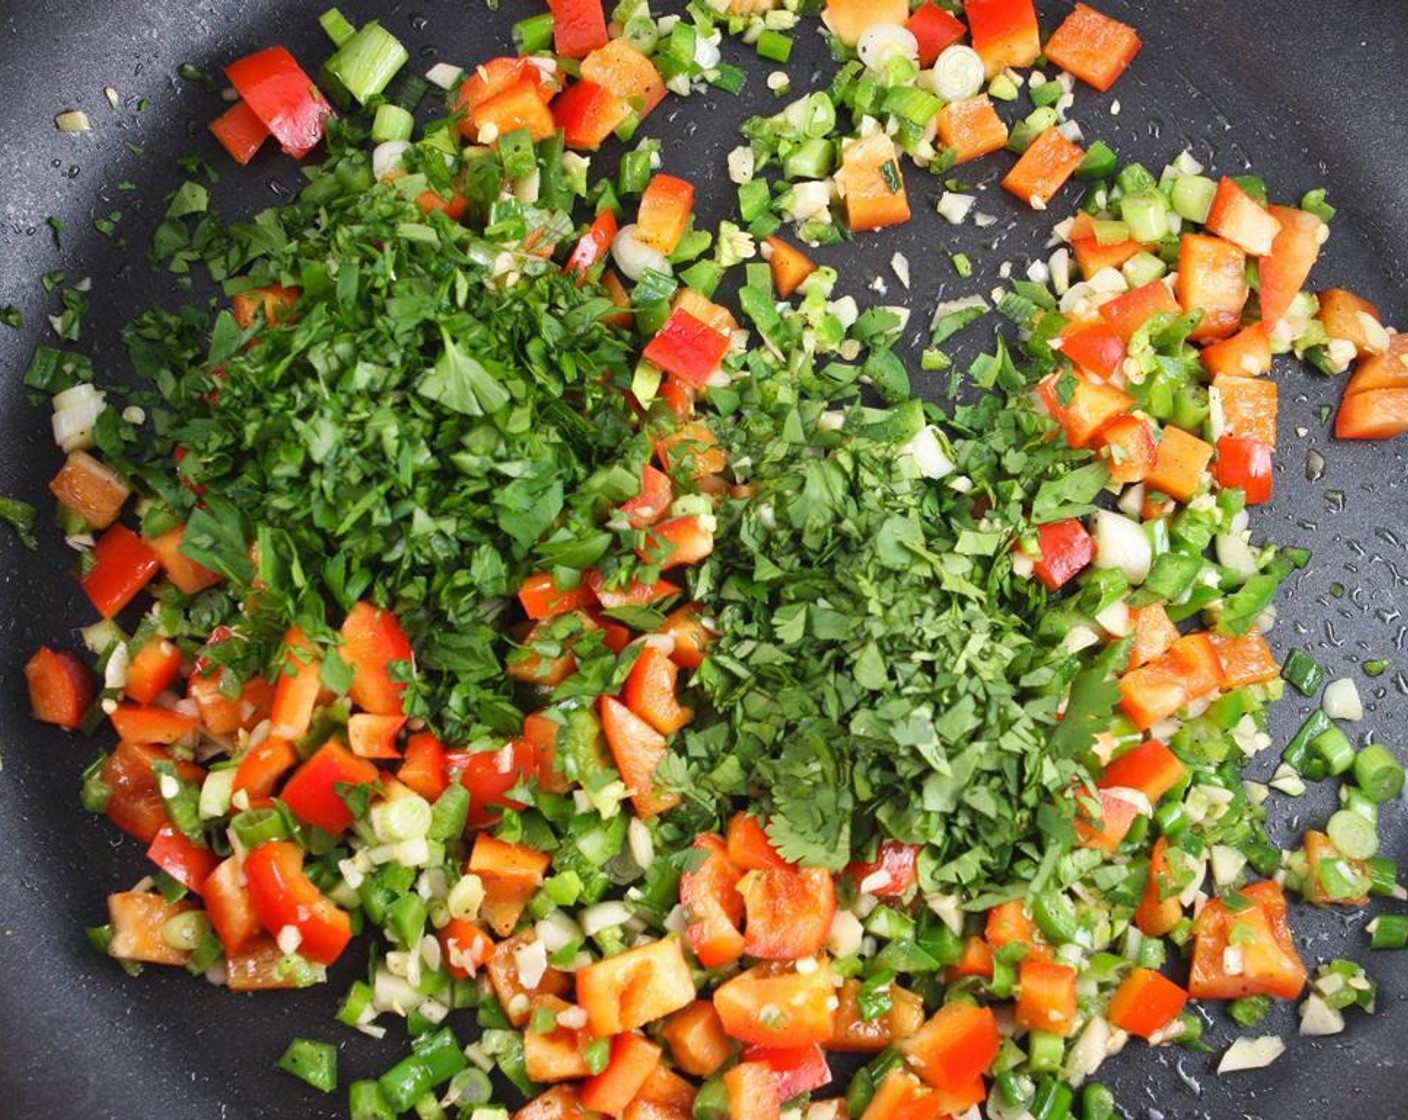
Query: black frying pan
[[1306, 92]]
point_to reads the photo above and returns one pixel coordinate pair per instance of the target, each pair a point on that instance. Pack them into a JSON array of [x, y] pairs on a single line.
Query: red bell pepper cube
[[934, 30], [1046, 997], [154, 669], [593, 246], [633, 1059], [283, 97], [1093, 47], [298, 687], [262, 766], [423, 766], [373, 736], [1129, 449], [185, 574], [713, 906], [688, 348], [284, 896], [957, 1044], [638, 750], [1066, 551], [1212, 278], [665, 209], [1129, 312], [372, 641], [653, 501], [541, 597], [752, 1092], [796, 1070], [1150, 767], [588, 114], [275, 302], [1005, 33], [489, 775], [790, 266], [135, 804], [633, 594], [60, 688], [749, 847], [1246, 465], [240, 132], [186, 862], [123, 564], [1293, 255], [678, 542], [896, 861], [1043, 168], [1146, 1003], [1096, 349], [651, 692], [136, 724], [788, 912], [229, 907], [314, 794], [578, 27]]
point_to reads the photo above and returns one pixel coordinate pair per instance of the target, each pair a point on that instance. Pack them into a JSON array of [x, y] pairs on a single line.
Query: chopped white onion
[[386, 158], [532, 963], [1342, 700], [954, 207], [884, 42], [604, 915], [928, 453], [634, 257], [1122, 543], [1318, 1018], [76, 411], [1251, 1053], [444, 75], [1235, 554]]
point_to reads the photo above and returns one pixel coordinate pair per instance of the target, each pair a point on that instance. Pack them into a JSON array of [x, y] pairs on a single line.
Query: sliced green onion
[[1303, 672], [1046, 1052], [1053, 1100], [1356, 837], [1097, 1102], [1378, 773], [774, 46], [1334, 747], [406, 818], [1191, 197], [533, 34], [258, 826], [1389, 931], [313, 1062], [392, 123], [711, 1102], [355, 1003], [338, 27], [1146, 214], [366, 1101], [364, 65], [959, 73]]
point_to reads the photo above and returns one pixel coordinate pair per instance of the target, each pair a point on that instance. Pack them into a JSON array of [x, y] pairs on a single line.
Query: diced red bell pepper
[[186, 862], [1350, 317], [1093, 47], [489, 775], [136, 724], [1008, 923], [1154, 633], [688, 349], [1246, 465], [1373, 414], [752, 1092], [789, 265], [971, 128], [1159, 910], [122, 565], [691, 637], [787, 912], [60, 688], [1151, 693], [713, 905], [465, 948], [423, 766], [1088, 405], [1150, 767], [240, 132], [284, 896], [578, 27], [541, 597], [1066, 551], [796, 1070], [976, 960], [749, 847], [511, 874], [1004, 32], [1248, 407], [261, 967], [433, 202], [1245, 660], [1094, 348], [283, 97], [1239, 218], [896, 862], [691, 448], [372, 639], [933, 29], [314, 794], [1284, 273], [1146, 1002], [665, 209], [588, 114], [154, 669], [262, 766], [653, 501], [636, 987], [90, 488], [138, 919], [1128, 312], [1046, 997], [678, 542], [957, 1044], [638, 750], [634, 594], [275, 303], [1044, 168], [593, 246], [774, 1009], [633, 1059], [185, 574], [520, 106], [1179, 465], [134, 803], [625, 71], [1105, 829], [873, 184], [1194, 656], [373, 736], [697, 1041], [1129, 449], [489, 79], [1269, 963], [1246, 354], [230, 909], [1212, 278], [297, 689], [651, 692]]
